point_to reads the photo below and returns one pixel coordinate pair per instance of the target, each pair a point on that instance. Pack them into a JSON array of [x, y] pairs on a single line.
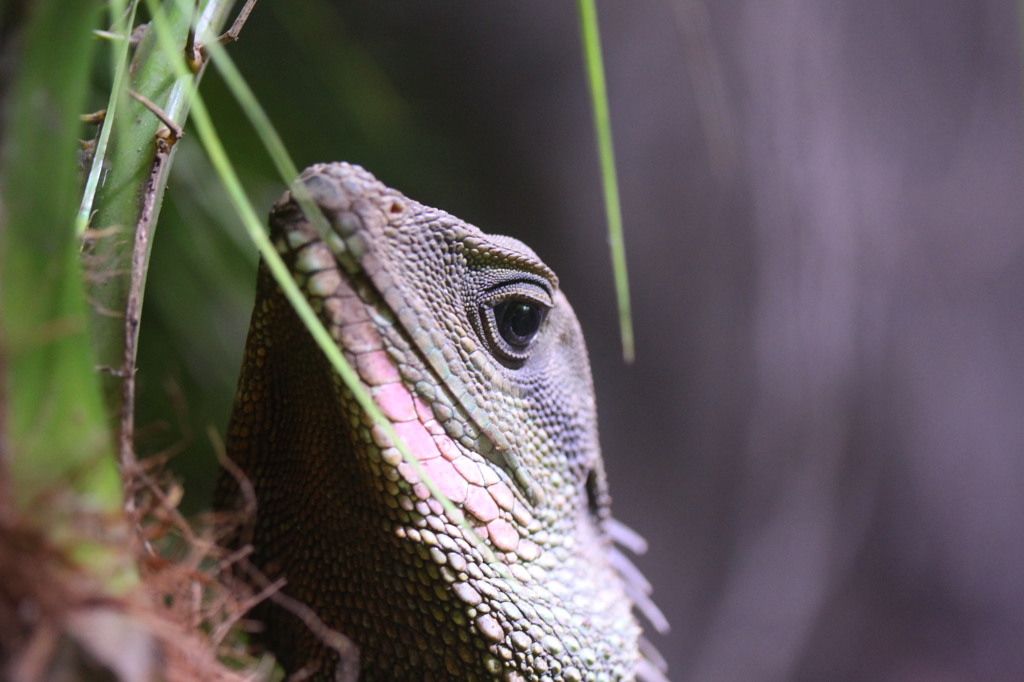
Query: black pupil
[[518, 322]]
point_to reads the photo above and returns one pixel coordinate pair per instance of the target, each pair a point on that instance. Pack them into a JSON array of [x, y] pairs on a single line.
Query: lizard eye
[[518, 322], [512, 322]]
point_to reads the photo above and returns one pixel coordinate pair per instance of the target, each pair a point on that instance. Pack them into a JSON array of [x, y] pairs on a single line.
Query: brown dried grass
[[182, 620]]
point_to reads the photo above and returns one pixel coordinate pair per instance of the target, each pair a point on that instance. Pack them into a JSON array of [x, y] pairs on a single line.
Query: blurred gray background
[[822, 434]]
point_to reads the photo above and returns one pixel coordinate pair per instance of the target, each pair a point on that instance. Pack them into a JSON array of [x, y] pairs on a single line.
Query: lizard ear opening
[[598, 500]]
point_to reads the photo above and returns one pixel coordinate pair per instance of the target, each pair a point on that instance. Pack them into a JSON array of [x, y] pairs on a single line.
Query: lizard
[[472, 352]]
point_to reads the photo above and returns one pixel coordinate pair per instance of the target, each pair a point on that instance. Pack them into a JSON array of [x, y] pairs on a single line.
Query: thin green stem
[[222, 164], [124, 208], [606, 153], [119, 52]]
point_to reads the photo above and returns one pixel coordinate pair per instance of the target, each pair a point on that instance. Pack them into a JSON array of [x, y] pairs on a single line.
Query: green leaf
[[54, 416], [606, 153]]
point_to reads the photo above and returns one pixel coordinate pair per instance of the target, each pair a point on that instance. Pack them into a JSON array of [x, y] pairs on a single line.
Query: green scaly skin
[[473, 353]]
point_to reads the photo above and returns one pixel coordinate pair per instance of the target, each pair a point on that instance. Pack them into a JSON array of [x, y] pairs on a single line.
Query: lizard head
[[467, 346], [481, 332]]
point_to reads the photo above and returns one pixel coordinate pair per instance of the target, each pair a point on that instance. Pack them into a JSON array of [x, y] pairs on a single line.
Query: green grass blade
[[606, 153], [124, 20], [254, 226], [254, 111], [54, 421]]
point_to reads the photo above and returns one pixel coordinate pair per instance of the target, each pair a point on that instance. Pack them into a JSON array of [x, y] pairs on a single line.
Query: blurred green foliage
[[55, 417]]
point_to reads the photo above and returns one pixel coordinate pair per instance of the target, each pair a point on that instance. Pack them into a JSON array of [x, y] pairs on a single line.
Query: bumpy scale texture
[[419, 301]]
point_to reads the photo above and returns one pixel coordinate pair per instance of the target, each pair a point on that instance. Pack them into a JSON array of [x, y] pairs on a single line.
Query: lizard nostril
[[396, 207]]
